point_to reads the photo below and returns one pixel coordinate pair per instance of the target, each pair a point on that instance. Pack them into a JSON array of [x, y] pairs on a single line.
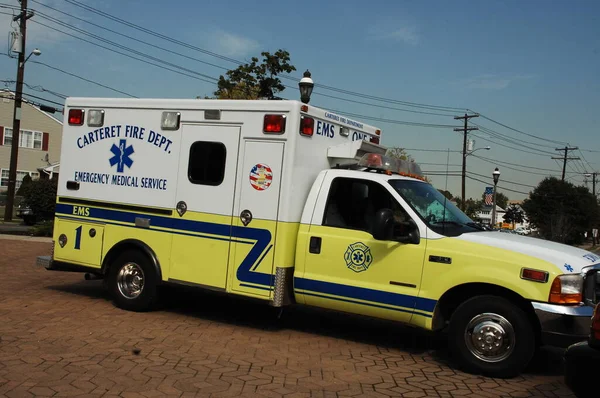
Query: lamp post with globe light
[[306, 86], [496, 176]]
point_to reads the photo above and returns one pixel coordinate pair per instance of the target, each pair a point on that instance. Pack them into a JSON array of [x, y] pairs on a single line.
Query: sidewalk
[[14, 228], [25, 238]]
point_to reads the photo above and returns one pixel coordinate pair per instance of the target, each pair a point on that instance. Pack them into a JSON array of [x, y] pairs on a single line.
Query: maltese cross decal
[[122, 156]]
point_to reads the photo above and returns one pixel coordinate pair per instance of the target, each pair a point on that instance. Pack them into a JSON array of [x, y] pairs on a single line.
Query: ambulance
[[284, 202]]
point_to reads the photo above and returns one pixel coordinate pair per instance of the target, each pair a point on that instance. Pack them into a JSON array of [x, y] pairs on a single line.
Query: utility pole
[[465, 131], [16, 127], [593, 175], [565, 158]]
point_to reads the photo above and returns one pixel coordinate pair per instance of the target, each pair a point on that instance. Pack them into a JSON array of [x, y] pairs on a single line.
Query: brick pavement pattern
[[61, 336]]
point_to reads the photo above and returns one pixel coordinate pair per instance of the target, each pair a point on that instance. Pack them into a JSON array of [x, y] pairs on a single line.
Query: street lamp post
[[306, 86], [496, 175]]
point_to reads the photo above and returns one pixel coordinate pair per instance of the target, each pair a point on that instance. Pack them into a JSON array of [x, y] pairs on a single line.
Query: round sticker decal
[[261, 177]]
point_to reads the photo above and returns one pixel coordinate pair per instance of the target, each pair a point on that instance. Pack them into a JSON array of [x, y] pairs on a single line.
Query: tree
[[255, 80], [447, 194], [40, 196], [561, 211], [501, 199], [24, 185], [513, 215], [471, 208]]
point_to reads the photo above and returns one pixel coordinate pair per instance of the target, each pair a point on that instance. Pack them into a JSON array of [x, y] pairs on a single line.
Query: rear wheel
[[492, 336], [133, 281]]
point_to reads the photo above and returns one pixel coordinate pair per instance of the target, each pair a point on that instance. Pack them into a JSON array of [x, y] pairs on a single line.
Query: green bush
[[40, 196], [43, 229]]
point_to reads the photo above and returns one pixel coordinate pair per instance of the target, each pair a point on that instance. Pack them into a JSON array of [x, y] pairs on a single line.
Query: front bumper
[[563, 325]]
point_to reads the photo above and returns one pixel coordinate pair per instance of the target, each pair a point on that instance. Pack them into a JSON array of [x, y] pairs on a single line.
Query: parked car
[[582, 361], [23, 211]]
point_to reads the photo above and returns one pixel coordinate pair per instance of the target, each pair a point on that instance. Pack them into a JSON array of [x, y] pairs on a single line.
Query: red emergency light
[[307, 126], [76, 117], [274, 124]]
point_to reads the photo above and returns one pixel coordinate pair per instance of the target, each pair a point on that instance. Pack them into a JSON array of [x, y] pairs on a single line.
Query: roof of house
[[29, 103]]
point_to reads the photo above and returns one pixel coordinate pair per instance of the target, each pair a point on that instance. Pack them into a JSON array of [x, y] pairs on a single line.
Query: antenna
[[446, 190]]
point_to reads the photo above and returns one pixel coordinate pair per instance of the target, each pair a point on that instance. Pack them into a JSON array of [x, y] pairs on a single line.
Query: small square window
[[207, 163]]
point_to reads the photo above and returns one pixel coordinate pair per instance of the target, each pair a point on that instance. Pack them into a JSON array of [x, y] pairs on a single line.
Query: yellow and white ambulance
[[282, 201]]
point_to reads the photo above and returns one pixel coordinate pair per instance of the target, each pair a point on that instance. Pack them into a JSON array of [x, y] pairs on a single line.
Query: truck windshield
[[439, 213]]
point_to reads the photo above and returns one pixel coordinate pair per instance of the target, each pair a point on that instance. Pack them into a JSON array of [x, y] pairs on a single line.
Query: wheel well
[[450, 300], [131, 244]]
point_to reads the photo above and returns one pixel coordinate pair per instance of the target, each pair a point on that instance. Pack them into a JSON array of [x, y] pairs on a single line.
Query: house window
[[20, 175], [27, 138]]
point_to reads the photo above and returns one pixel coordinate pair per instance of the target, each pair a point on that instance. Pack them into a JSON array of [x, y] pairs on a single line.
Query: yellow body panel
[[197, 257], [84, 242], [479, 263], [356, 273]]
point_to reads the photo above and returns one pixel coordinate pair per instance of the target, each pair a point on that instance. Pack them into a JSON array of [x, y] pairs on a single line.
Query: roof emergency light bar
[[350, 153], [390, 165]]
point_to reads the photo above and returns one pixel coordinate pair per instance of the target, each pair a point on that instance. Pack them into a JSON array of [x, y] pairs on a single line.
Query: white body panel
[[568, 259], [213, 199], [158, 159]]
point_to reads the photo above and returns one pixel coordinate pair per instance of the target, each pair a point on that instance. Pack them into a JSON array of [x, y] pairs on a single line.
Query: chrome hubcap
[[130, 280], [490, 337]]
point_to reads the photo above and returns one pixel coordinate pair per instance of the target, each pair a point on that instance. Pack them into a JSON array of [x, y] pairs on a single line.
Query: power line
[[87, 22], [36, 88], [503, 188], [76, 76], [187, 45], [513, 164], [508, 146], [222, 67], [521, 132], [203, 77], [515, 141]]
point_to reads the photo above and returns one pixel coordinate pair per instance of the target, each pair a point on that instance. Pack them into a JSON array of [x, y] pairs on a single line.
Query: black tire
[[513, 362], [148, 294]]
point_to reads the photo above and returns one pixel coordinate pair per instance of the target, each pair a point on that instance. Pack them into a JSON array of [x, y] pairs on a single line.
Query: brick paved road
[[60, 336]]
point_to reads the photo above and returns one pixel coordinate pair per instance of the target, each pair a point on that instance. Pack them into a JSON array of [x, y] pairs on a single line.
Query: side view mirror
[[383, 225], [385, 228], [409, 233]]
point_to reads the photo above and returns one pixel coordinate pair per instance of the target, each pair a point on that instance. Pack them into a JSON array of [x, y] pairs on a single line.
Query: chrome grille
[[591, 287]]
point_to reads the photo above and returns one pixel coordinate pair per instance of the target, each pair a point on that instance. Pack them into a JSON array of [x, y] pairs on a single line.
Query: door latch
[[181, 208], [315, 245], [246, 217]]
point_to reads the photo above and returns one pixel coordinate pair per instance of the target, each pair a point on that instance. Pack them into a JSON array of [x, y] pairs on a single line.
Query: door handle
[[315, 245]]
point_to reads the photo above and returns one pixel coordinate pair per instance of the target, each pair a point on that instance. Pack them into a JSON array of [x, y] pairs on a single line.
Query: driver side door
[[346, 269]]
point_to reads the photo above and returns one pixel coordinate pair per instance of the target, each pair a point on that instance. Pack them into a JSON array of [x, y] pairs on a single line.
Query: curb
[[25, 238]]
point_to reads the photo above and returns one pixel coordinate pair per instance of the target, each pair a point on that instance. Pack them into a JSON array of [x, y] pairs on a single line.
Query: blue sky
[[532, 65]]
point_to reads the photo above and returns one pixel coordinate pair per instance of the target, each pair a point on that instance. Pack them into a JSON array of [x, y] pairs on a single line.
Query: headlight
[[566, 289]]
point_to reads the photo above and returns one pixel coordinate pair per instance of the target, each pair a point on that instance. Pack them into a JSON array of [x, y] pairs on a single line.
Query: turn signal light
[[76, 117], [307, 126], [274, 124], [566, 289], [534, 275]]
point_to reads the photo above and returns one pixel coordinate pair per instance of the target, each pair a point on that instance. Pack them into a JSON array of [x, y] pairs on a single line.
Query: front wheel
[[133, 281], [492, 336]]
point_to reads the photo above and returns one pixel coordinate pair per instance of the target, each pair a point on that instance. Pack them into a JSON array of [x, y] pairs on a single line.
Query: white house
[[484, 216]]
